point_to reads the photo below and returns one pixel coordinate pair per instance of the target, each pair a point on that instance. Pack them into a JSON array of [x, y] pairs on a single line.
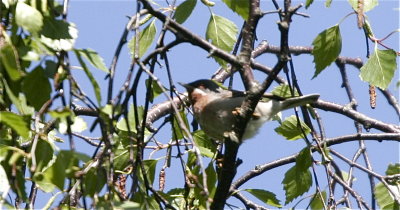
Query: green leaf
[[121, 125], [291, 130], [266, 196], [327, 46], [328, 3], [16, 122], [4, 184], [222, 33], [60, 169], [156, 89], [36, 87], [28, 17], [94, 181], [304, 159], [89, 74], [43, 153], [283, 90], [296, 183], [317, 202], [10, 62], [146, 38], [379, 69], [393, 169], [308, 3], [59, 34], [94, 58], [211, 178], [207, 147], [241, 7], [150, 170], [177, 131], [384, 198], [368, 4], [184, 10]]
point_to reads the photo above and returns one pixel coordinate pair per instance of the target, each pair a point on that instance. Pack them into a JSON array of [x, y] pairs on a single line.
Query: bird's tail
[[298, 101]]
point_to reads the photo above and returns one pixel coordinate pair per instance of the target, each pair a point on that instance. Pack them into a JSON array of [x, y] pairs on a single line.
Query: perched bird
[[215, 108]]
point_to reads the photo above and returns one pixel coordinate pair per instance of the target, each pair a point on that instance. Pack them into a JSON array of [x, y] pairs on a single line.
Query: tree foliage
[[43, 105]]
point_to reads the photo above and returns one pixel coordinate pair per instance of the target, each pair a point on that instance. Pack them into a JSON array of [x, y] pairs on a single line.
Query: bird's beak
[[187, 86]]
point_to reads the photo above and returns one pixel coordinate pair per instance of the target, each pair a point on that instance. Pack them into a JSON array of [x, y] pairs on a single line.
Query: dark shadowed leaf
[[308, 3], [10, 62], [379, 69], [393, 169], [266, 196], [327, 46], [184, 10], [36, 87]]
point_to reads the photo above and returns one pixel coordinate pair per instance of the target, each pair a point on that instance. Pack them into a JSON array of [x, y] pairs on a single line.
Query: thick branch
[[366, 121]]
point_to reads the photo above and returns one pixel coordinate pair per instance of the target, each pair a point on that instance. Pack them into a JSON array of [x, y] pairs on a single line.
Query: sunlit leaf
[[304, 159], [379, 69], [296, 183], [95, 85], [328, 3], [266, 196], [384, 198], [36, 87], [94, 58], [59, 34], [184, 10], [241, 7], [16, 122], [146, 38], [78, 125], [10, 62], [367, 4], [317, 202], [291, 129], [121, 125], [222, 33], [327, 47], [206, 146], [4, 184], [283, 90], [28, 17]]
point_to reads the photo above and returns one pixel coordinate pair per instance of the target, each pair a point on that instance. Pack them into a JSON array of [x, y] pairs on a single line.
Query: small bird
[[214, 108]]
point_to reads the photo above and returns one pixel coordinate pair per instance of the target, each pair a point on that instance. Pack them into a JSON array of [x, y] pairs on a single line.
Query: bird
[[215, 108]]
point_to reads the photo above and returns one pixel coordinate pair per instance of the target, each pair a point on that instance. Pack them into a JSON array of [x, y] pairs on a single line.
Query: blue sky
[[101, 23]]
